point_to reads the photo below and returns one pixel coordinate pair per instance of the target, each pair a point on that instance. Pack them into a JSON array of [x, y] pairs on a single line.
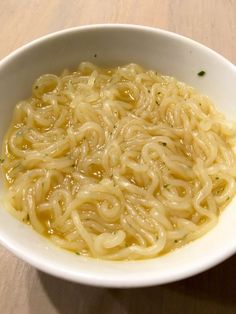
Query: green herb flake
[[19, 133], [201, 73], [166, 185], [164, 143], [77, 253], [2, 160], [159, 93], [149, 91], [157, 103], [217, 178], [176, 241], [228, 198]]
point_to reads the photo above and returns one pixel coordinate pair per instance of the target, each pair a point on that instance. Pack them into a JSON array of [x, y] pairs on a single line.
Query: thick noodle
[[118, 163]]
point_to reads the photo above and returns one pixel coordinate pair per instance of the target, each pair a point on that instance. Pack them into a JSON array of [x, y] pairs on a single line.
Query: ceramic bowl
[[107, 45]]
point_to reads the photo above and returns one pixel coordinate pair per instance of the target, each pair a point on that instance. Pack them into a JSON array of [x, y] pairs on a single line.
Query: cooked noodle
[[118, 163]]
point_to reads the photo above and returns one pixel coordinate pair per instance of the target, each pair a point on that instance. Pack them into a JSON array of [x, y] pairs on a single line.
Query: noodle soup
[[120, 163]]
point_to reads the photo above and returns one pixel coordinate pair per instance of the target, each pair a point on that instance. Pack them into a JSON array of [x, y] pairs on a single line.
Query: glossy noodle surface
[[118, 163]]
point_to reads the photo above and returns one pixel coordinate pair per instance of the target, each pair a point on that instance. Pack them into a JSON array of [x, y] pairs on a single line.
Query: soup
[[121, 163]]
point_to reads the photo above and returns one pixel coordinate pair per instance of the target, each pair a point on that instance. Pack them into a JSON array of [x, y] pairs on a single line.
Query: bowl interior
[[109, 45]]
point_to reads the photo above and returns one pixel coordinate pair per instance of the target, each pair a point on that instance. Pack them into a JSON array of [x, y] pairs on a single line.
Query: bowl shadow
[[210, 292]]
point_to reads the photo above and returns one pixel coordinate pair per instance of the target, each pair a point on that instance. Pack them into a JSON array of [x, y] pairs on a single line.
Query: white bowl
[[118, 44]]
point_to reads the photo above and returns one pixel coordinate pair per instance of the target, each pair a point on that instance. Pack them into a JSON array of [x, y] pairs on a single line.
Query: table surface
[[23, 289]]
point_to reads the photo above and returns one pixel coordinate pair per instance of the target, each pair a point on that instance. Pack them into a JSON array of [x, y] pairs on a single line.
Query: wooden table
[[23, 289]]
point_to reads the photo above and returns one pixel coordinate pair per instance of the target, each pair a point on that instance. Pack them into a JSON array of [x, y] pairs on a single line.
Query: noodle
[[118, 163]]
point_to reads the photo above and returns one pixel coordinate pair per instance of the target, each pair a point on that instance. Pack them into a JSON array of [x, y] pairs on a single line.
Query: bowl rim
[[118, 282], [123, 26]]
